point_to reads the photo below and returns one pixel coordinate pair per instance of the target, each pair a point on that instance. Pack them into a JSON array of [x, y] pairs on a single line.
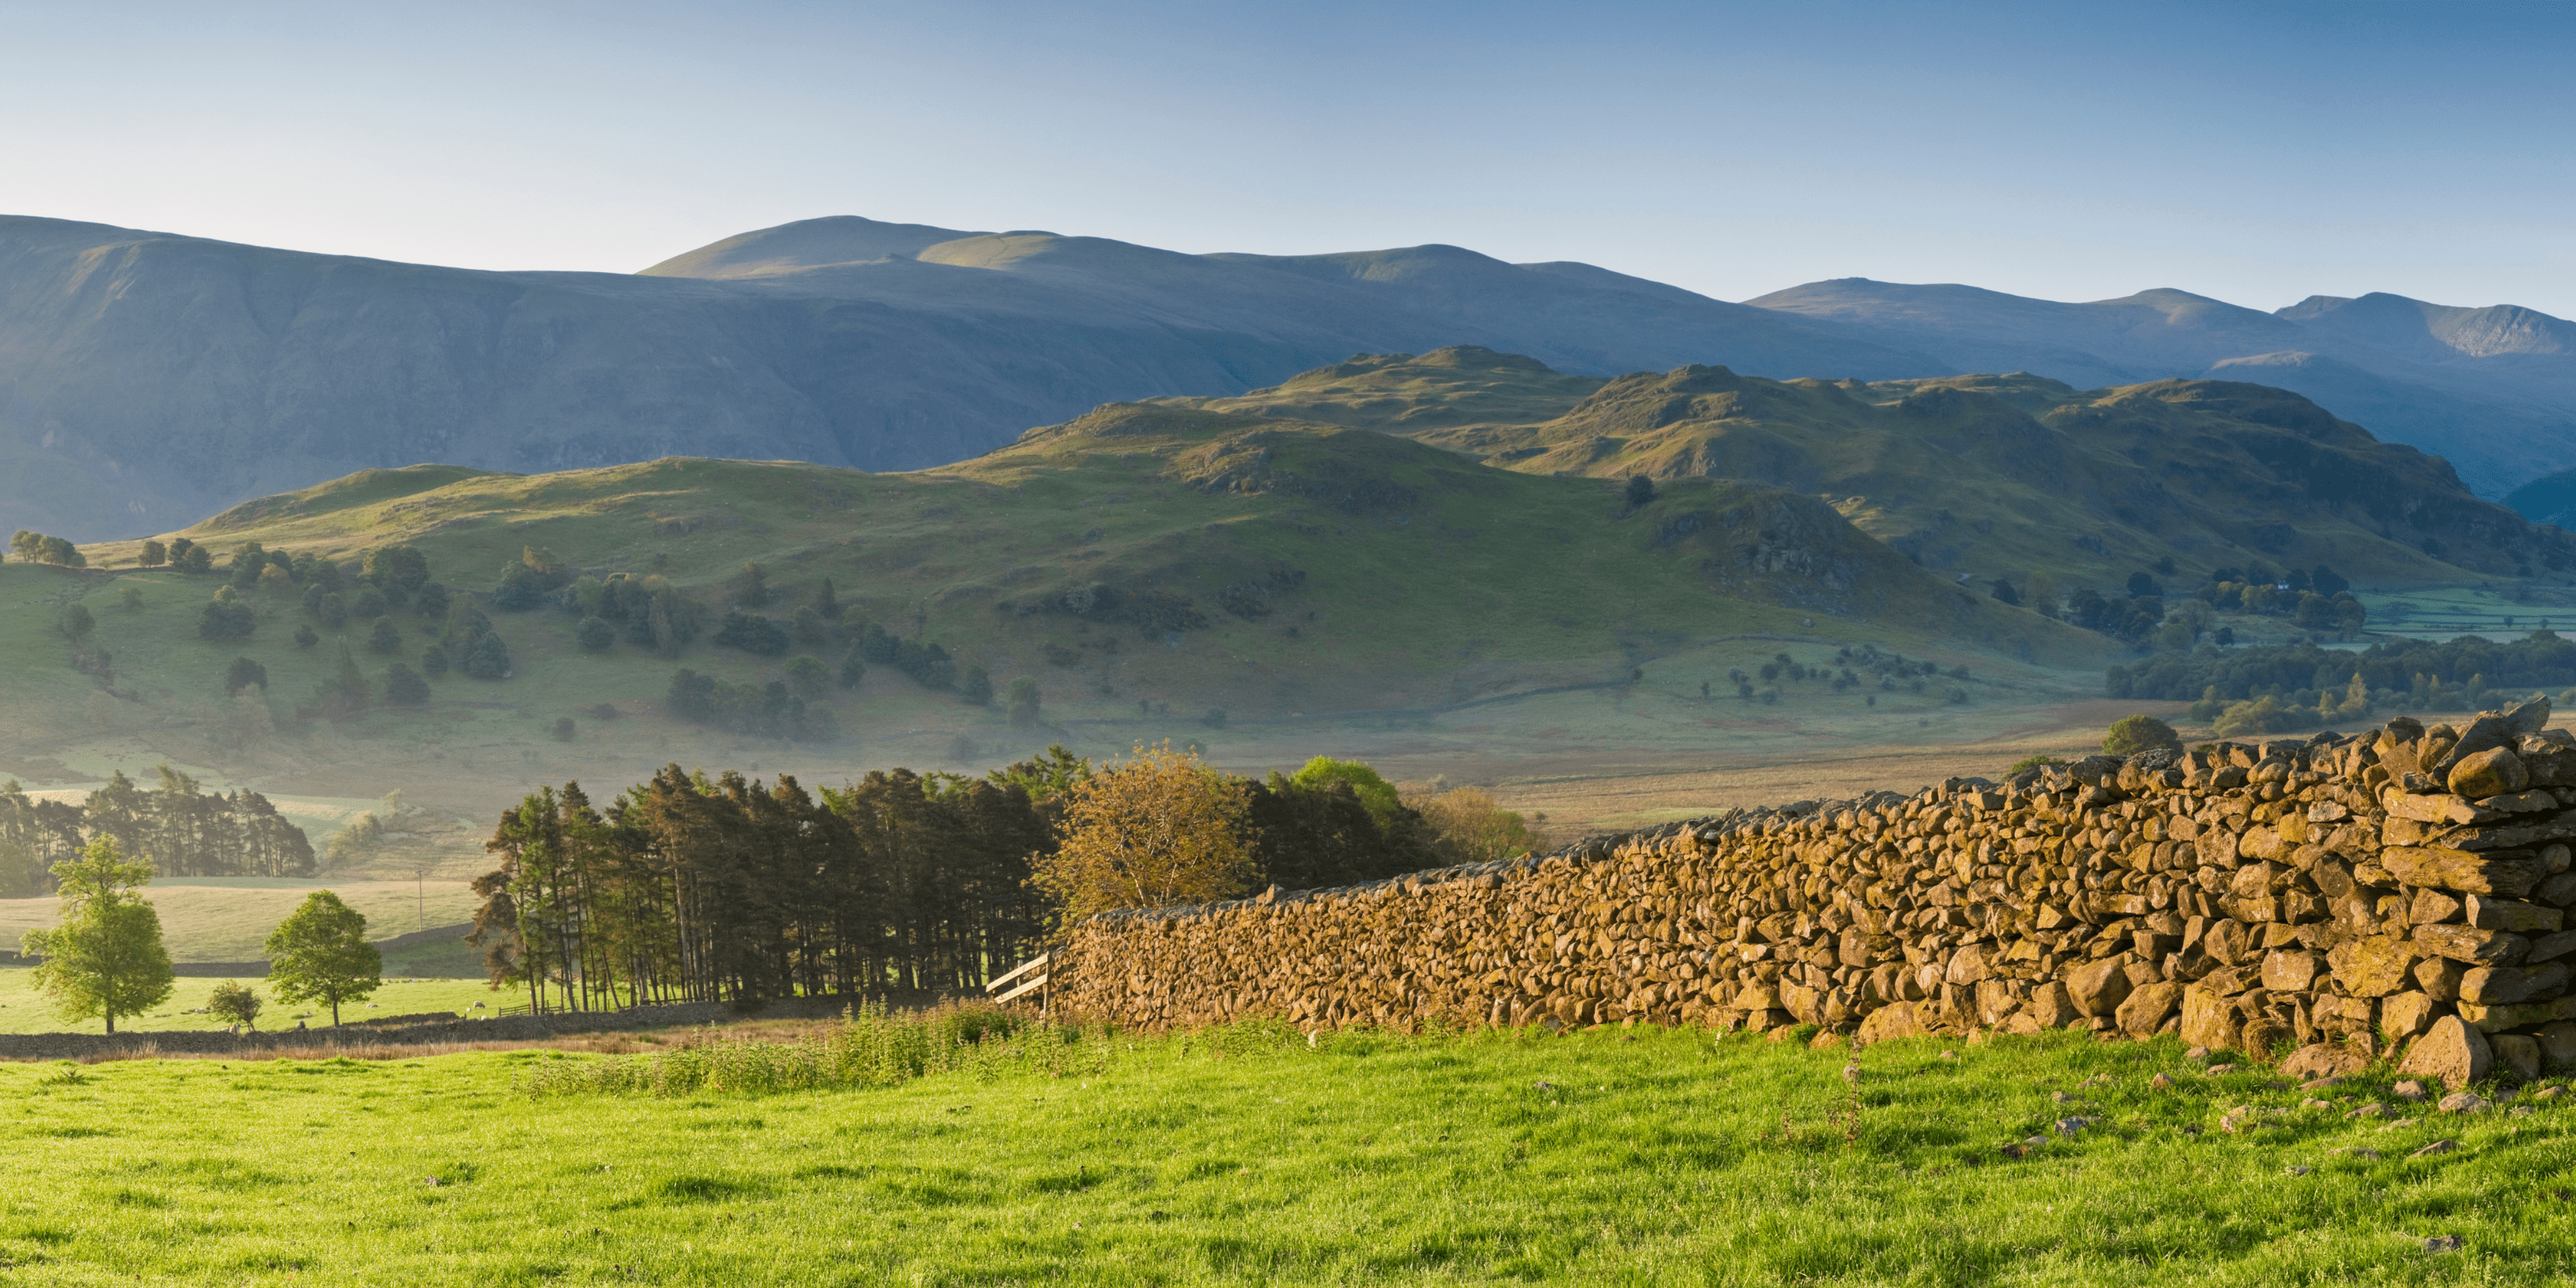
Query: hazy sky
[[2258, 153]]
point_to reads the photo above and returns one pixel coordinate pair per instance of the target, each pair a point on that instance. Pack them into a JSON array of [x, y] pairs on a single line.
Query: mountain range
[[147, 378]]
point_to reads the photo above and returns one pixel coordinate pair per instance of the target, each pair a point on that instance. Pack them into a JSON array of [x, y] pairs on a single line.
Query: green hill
[[1992, 476], [1157, 572]]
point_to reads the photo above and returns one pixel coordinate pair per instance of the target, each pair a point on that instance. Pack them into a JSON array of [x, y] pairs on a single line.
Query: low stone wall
[[2351, 895]]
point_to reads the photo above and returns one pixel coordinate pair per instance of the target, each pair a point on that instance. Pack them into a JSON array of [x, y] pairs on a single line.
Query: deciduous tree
[[1164, 828], [106, 956], [320, 953]]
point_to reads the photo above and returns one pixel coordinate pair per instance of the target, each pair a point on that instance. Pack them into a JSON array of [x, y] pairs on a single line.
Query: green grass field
[[1245, 1156], [228, 919], [24, 1010]]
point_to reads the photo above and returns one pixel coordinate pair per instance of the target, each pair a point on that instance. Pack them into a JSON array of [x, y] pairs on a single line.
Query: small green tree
[[854, 668], [595, 635], [321, 954], [155, 554], [106, 957], [384, 638], [234, 1002], [77, 622], [1023, 706], [975, 688]]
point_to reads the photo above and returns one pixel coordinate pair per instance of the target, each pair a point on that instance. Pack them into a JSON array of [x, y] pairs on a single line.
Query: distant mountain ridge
[[2493, 390], [146, 378]]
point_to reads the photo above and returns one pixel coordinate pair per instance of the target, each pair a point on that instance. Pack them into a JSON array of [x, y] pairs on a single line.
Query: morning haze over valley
[[1762, 693]]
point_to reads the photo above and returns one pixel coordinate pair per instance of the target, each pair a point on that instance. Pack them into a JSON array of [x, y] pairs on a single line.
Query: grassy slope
[[1994, 475], [1490, 1158], [1424, 577]]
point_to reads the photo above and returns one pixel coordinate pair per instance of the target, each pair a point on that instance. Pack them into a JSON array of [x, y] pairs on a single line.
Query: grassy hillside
[[1174, 557], [1247, 1155], [1993, 476]]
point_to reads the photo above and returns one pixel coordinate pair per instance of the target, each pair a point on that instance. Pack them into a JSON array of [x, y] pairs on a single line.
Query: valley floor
[[1245, 1155]]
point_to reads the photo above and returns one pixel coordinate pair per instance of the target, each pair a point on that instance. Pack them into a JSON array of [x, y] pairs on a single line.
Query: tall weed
[[873, 1046]]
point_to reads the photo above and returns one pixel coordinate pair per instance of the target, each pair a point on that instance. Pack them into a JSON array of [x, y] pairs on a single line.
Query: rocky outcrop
[[2334, 890]]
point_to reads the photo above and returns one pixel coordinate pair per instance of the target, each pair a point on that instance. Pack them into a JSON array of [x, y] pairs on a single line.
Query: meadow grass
[[1247, 1154], [25, 1010]]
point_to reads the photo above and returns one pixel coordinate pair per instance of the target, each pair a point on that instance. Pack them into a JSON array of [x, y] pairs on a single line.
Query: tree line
[[691, 888], [180, 829], [2542, 659]]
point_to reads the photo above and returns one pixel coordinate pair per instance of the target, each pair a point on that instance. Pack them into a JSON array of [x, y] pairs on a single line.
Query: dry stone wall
[[2401, 892]]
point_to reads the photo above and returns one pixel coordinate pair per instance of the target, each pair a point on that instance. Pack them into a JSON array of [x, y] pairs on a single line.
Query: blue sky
[[2257, 153]]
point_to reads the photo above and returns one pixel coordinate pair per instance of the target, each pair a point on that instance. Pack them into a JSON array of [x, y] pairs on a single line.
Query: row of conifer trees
[[188, 832], [690, 888]]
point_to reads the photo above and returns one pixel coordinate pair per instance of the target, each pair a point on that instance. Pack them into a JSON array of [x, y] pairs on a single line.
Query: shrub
[[404, 687], [369, 604], [154, 554], [383, 638], [1468, 827], [807, 677], [488, 659], [752, 633], [2134, 734], [233, 1003], [595, 635], [402, 566], [1024, 703], [75, 621], [244, 674], [769, 710], [853, 669], [565, 729], [227, 619], [976, 689], [430, 602], [748, 588], [307, 637], [433, 660]]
